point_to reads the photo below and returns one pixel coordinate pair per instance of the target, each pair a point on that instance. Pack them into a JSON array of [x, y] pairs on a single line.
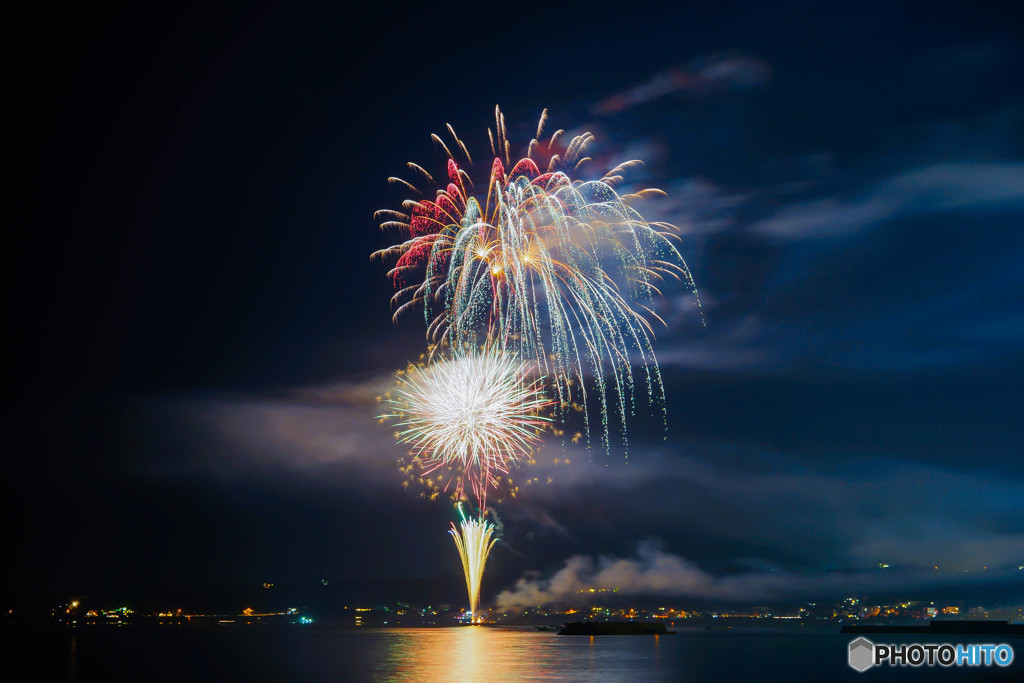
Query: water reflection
[[504, 654], [329, 655], [73, 670], [466, 653]]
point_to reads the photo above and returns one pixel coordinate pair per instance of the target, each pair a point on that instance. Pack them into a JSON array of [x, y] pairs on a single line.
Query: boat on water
[[613, 628], [548, 628]]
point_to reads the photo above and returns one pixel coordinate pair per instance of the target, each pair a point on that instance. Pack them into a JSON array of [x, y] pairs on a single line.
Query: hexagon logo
[[862, 654]]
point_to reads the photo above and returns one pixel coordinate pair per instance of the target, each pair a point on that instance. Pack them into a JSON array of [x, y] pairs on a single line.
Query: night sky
[[199, 332]]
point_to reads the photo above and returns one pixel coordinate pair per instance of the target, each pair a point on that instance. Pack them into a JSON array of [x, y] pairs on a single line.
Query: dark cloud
[[816, 509], [979, 59]]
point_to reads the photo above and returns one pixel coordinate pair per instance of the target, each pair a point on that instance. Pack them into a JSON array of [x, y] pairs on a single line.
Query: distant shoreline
[[942, 627]]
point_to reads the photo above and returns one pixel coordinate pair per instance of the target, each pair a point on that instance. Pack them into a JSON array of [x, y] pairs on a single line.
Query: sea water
[[470, 653]]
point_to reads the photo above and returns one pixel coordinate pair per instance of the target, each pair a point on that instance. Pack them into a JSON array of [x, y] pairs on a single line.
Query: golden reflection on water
[[493, 653], [472, 653], [464, 653]]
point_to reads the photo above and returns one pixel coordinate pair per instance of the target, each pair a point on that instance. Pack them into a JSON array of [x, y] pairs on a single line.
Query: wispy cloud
[[939, 187], [903, 274], [710, 74], [972, 324], [328, 431], [698, 206]]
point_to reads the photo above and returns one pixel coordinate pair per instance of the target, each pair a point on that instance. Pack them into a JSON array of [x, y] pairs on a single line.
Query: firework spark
[[474, 540], [477, 414], [546, 267]]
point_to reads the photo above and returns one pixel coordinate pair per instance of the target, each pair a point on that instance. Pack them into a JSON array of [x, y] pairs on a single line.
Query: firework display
[[548, 267], [477, 413], [533, 286]]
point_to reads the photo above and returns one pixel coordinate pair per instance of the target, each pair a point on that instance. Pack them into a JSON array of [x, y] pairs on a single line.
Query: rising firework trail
[[474, 540], [476, 414], [544, 265]]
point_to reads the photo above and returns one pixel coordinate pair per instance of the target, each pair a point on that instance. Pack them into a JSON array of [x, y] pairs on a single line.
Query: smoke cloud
[[656, 573]]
